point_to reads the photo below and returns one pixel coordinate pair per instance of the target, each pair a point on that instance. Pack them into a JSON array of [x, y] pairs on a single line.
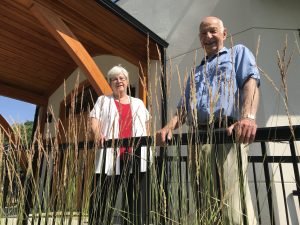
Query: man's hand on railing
[[245, 130], [164, 135]]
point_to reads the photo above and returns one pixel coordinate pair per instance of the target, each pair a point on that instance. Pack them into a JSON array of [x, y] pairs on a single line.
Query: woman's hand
[[101, 138]]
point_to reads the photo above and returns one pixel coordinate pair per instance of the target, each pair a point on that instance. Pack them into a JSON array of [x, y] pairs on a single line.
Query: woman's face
[[119, 84]]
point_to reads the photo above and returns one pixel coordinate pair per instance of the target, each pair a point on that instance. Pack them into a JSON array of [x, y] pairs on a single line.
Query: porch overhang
[[43, 41]]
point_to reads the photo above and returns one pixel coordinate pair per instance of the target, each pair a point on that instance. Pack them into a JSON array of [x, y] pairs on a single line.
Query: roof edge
[[131, 20]]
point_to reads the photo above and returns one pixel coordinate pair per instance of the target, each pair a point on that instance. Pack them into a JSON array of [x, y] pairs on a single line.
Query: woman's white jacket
[[106, 112]]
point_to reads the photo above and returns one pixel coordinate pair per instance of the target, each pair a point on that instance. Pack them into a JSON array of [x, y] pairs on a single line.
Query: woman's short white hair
[[115, 71]]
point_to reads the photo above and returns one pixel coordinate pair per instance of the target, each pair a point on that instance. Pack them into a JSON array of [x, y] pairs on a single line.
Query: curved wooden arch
[[7, 130]]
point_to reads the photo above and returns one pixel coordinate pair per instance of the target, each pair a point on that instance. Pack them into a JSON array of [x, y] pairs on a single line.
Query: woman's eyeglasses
[[116, 79]]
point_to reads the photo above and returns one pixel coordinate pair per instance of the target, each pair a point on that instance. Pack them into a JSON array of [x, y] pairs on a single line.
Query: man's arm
[[250, 98], [167, 131], [246, 127]]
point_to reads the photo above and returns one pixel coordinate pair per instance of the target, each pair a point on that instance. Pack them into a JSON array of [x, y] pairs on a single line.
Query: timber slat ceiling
[[33, 63]]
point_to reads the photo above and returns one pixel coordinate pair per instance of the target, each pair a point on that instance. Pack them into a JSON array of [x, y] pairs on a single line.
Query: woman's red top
[[125, 124]]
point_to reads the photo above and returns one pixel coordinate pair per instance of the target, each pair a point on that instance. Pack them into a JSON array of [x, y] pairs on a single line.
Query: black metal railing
[[288, 135]]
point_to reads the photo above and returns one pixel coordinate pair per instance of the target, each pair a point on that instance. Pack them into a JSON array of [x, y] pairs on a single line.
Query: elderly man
[[221, 92]]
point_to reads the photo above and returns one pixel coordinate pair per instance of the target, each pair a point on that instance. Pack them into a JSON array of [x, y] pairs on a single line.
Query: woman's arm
[[96, 128]]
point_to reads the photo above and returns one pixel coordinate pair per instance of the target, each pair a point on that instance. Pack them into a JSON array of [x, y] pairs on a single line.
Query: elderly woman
[[117, 116]]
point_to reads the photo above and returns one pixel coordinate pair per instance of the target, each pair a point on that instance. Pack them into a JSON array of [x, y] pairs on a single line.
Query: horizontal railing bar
[[272, 159], [264, 134], [296, 193]]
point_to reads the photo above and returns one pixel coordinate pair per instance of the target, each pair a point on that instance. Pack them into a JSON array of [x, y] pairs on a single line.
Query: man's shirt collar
[[208, 59]]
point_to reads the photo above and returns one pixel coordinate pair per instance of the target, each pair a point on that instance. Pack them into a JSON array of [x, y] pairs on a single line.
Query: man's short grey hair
[[221, 25], [220, 22], [115, 71]]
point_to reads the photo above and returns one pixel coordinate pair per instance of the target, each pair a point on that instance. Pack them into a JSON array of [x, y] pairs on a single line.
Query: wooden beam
[[22, 95], [90, 21], [13, 139], [112, 48], [143, 83], [61, 32], [7, 130], [25, 3]]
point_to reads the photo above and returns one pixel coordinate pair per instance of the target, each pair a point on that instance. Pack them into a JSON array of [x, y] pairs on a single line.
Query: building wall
[[262, 25]]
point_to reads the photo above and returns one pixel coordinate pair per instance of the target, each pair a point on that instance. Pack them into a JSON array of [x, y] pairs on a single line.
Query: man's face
[[212, 35]]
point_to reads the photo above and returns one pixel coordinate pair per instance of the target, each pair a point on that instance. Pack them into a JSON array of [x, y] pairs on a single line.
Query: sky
[[15, 111]]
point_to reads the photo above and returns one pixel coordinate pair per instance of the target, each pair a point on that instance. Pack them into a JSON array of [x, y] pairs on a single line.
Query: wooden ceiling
[[43, 41]]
